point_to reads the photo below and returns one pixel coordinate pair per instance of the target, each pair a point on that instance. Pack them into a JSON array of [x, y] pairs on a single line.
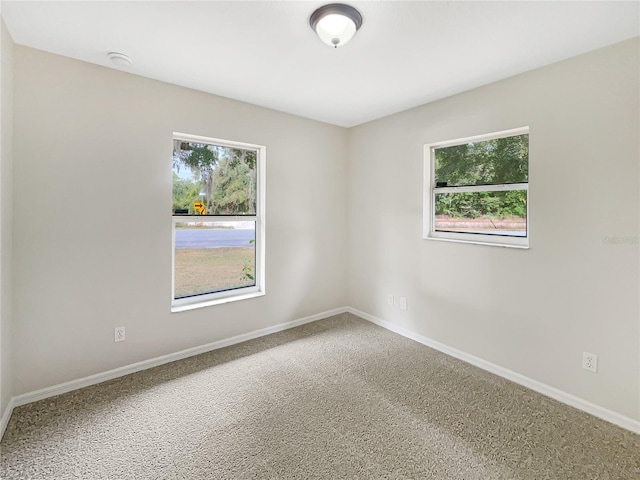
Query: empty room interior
[[297, 240]]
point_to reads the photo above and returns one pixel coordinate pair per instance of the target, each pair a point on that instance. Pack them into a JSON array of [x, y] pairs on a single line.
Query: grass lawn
[[201, 270]]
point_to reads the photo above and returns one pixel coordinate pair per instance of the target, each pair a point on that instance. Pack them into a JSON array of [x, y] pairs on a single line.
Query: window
[[218, 221], [476, 189]]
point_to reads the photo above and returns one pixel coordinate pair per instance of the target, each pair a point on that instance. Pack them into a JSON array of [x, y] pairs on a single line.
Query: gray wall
[[6, 214], [93, 240], [531, 311]]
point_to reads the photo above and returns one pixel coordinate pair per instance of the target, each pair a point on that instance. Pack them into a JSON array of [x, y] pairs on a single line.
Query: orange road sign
[[199, 207]]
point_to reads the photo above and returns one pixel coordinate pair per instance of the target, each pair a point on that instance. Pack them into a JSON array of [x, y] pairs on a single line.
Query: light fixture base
[[335, 23]]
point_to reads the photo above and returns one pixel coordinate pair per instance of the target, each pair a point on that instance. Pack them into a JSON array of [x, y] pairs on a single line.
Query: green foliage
[[185, 192], [223, 178], [490, 162], [198, 157], [234, 188], [247, 270], [477, 204]]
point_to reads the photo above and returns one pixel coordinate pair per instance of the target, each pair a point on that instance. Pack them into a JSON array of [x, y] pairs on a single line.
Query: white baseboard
[[566, 398], [154, 362], [563, 397], [6, 415]]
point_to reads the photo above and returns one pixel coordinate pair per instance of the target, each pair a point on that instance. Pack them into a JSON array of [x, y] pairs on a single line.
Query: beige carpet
[[339, 398]]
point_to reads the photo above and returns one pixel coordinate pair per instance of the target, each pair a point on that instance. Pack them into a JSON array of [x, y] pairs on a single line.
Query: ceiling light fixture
[[336, 23], [119, 59]]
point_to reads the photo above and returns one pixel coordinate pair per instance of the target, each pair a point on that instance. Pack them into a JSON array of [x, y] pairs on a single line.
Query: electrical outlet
[[391, 301], [118, 334], [590, 362], [403, 303]]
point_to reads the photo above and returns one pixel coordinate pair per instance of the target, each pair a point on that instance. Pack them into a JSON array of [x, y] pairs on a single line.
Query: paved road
[[213, 237]]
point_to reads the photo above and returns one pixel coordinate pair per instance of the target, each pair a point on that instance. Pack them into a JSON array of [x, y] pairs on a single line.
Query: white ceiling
[[264, 52]]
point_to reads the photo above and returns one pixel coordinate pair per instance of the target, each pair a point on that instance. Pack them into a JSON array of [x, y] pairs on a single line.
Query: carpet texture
[[335, 399]]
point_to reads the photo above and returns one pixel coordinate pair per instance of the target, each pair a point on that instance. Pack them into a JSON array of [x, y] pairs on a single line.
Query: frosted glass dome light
[[336, 23]]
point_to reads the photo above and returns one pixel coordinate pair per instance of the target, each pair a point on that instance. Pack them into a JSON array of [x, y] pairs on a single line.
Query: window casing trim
[[243, 293], [429, 192], [186, 137]]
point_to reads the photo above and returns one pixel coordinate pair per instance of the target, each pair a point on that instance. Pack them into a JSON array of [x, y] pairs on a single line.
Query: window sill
[[215, 301], [477, 242]]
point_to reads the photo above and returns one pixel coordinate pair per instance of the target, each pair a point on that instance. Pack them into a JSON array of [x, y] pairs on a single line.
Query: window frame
[[235, 294], [430, 190]]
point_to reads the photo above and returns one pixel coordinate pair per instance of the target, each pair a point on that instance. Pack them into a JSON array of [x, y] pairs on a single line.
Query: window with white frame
[[476, 189], [218, 221]]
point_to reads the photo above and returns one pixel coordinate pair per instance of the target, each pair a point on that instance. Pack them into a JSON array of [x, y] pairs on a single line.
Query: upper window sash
[[225, 176], [493, 160]]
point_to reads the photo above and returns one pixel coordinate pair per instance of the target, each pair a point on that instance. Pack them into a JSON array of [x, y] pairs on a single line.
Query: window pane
[[213, 256], [489, 162], [488, 213], [213, 180]]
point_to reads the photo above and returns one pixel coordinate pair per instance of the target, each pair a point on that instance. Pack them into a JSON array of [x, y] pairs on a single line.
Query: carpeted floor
[[336, 399]]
